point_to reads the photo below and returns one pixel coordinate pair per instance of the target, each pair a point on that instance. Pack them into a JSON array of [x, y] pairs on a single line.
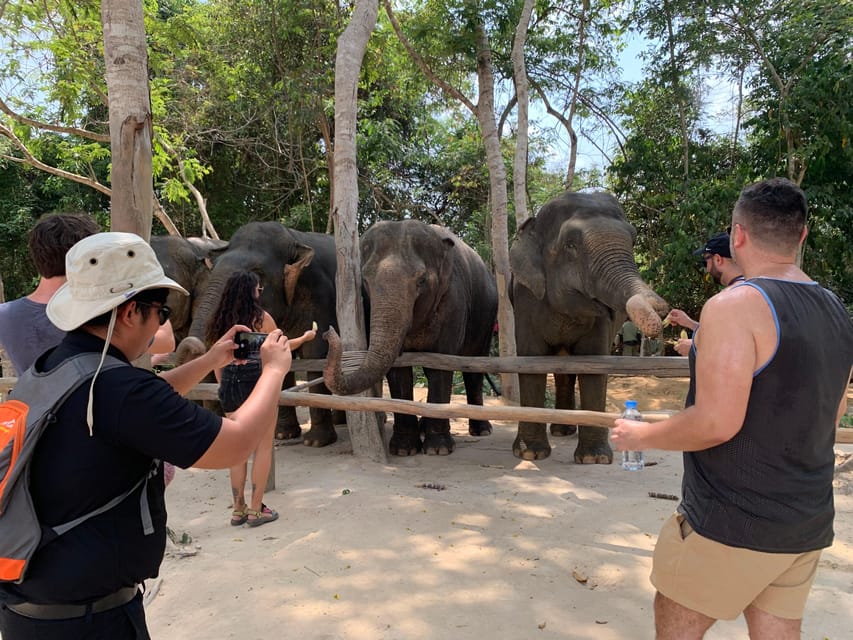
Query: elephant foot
[[479, 427], [439, 444], [562, 430], [288, 431], [437, 438], [599, 453], [404, 445], [320, 436], [521, 450]]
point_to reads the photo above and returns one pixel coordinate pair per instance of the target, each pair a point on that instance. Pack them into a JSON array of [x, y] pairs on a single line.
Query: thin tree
[[131, 132], [365, 432], [484, 110], [522, 93]]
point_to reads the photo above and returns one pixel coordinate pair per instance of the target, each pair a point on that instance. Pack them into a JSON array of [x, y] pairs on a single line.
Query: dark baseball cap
[[718, 244]]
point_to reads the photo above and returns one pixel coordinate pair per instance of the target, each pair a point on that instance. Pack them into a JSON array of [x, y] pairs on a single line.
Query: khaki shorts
[[721, 581]]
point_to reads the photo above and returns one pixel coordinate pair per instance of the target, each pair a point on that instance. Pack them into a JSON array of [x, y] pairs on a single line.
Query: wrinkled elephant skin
[[297, 272], [428, 291], [188, 261], [574, 281]]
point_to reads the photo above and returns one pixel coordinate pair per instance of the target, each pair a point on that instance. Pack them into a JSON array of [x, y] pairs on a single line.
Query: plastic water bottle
[[632, 460]]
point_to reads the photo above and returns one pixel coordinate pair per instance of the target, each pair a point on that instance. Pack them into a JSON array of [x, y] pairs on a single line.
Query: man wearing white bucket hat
[[108, 434]]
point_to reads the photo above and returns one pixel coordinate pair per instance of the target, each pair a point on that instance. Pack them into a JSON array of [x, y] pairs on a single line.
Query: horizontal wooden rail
[[208, 391], [663, 367], [660, 367]]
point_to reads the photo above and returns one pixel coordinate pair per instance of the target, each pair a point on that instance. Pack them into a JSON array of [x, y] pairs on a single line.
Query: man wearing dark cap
[[717, 257]]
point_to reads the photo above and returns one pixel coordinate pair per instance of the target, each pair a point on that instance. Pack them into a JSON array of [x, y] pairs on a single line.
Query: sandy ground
[[477, 544]]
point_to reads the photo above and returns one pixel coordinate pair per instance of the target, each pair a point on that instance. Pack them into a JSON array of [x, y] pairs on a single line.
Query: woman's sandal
[[257, 518], [239, 517]]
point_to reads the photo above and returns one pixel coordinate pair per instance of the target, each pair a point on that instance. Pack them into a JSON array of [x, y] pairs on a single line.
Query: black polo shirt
[[138, 417]]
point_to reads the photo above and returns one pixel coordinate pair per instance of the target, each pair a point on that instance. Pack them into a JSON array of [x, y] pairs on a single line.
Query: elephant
[[297, 273], [188, 261], [574, 279], [427, 291]]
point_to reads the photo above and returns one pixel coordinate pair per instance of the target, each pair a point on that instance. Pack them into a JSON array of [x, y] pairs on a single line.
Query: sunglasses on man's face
[[163, 311]]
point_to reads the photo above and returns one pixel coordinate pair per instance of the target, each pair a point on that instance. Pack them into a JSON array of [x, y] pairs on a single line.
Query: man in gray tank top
[[25, 331], [768, 381]]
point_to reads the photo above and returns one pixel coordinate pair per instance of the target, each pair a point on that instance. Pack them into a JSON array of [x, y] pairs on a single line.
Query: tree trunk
[[126, 57], [573, 103], [497, 186], [519, 175], [678, 90], [365, 430]]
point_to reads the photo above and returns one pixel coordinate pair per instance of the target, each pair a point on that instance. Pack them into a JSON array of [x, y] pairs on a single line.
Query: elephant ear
[[292, 271], [525, 258], [445, 266]]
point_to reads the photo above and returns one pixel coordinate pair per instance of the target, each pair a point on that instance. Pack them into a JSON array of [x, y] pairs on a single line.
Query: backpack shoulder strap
[[43, 393]]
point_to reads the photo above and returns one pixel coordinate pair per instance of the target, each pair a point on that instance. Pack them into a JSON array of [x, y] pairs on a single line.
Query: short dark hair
[[775, 210], [149, 295], [52, 237]]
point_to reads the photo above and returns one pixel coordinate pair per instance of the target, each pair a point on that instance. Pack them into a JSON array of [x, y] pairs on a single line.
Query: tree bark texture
[[365, 430], [519, 176], [126, 57], [497, 187]]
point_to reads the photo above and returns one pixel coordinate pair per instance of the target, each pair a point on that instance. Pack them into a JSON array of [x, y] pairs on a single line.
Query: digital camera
[[248, 343]]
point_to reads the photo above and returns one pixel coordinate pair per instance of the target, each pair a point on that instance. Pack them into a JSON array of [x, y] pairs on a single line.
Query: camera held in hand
[[248, 344]]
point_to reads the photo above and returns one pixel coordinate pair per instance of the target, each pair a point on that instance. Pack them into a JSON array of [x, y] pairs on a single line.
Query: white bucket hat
[[103, 271]]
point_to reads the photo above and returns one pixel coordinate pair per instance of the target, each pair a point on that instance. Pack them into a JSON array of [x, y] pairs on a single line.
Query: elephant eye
[[422, 281]]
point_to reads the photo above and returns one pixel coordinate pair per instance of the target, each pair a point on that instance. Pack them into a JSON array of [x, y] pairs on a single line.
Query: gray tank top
[[769, 488], [26, 332]]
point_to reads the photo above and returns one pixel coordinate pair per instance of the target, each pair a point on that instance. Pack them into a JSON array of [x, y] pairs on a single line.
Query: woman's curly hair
[[238, 305]]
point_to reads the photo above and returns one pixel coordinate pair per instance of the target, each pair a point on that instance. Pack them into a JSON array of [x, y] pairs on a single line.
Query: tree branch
[[446, 87], [44, 126], [31, 160], [207, 224]]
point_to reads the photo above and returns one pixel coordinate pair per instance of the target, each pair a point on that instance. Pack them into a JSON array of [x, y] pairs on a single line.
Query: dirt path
[[476, 544]]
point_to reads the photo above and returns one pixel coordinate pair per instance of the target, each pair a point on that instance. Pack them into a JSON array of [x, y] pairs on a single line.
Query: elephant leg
[[405, 439], [474, 394], [593, 442], [564, 385], [437, 437], [322, 431], [287, 424], [531, 443]]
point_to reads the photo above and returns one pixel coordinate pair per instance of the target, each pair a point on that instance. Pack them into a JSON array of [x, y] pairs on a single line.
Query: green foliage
[[795, 60], [242, 93]]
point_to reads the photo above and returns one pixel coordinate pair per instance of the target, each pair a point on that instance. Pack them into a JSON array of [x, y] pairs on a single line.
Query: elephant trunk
[[642, 312], [388, 328], [623, 288], [207, 305]]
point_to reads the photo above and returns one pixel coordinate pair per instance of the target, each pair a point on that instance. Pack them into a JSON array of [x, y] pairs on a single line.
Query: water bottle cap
[[630, 404]]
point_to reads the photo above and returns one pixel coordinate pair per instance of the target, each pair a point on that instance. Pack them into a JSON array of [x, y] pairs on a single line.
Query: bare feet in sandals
[[257, 518]]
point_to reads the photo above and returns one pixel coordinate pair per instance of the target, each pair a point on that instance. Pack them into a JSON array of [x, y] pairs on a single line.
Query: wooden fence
[[661, 367]]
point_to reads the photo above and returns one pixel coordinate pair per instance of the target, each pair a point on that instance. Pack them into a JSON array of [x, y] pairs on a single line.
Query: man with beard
[[719, 264]]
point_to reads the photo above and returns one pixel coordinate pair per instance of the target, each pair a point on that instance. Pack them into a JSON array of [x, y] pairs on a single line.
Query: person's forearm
[[685, 431], [189, 374]]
